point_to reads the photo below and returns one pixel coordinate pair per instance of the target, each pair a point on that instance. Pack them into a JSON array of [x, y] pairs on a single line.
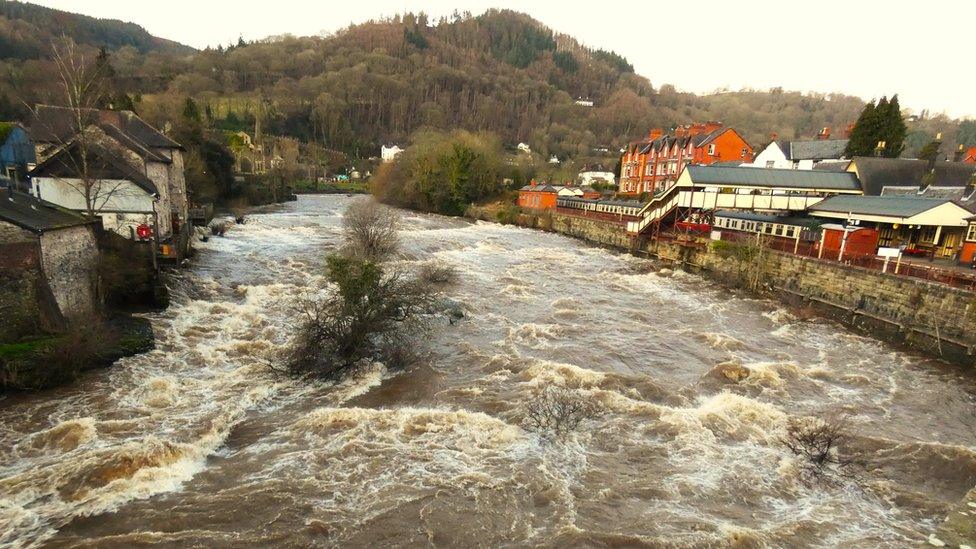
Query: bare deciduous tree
[[816, 441], [83, 85], [555, 411], [438, 273], [371, 230]]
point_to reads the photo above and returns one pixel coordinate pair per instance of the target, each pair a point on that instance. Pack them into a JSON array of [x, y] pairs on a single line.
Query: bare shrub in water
[[438, 273], [817, 441], [556, 412], [371, 231], [372, 315]]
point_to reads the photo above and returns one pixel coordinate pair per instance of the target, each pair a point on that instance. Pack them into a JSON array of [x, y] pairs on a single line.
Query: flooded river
[[197, 444]]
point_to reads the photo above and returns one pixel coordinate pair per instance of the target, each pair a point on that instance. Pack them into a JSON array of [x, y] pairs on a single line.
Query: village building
[[889, 175], [712, 188], [139, 172], [968, 156], [119, 183], [54, 250], [596, 173], [932, 227], [524, 147], [800, 155], [389, 153], [16, 155], [542, 196], [654, 163]]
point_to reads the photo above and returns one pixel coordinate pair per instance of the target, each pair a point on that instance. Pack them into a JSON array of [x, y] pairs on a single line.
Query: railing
[[955, 277]]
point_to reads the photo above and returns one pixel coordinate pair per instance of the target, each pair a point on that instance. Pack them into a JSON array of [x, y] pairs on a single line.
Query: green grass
[[11, 351]]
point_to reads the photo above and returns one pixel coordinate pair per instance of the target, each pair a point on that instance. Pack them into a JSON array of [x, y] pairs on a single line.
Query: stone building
[[124, 136], [49, 260]]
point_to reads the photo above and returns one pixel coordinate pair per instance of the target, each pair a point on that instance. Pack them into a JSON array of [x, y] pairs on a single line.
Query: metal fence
[[956, 277]]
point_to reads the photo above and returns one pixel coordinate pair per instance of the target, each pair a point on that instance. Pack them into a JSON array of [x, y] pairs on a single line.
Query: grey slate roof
[[104, 163], [889, 206], [832, 165], [768, 177], [877, 173], [50, 124], [819, 149], [35, 215]]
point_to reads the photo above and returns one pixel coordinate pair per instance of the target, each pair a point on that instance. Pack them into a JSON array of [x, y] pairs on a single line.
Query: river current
[[198, 444]]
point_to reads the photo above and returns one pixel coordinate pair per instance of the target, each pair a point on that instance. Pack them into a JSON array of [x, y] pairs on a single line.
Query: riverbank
[[45, 362], [927, 317]]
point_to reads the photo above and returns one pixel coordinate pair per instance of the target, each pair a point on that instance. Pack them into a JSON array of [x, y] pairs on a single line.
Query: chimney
[[848, 129], [824, 133], [681, 131], [957, 156], [938, 139], [654, 134], [879, 148], [773, 136], [709, 127]]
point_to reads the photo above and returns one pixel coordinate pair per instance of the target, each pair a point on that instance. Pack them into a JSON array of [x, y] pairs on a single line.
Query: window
[[711, 149], [971, 232], [770, 163], [790, 232], [744, 153], [927, 234], [779, 230]]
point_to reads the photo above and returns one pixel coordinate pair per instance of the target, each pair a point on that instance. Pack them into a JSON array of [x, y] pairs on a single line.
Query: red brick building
[[542, 196], [659, 158]]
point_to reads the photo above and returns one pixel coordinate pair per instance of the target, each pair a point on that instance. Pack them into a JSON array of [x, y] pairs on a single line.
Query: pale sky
[[866, 48]]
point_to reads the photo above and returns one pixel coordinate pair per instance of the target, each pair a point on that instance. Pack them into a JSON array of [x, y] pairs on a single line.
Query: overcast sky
[[867, 48]]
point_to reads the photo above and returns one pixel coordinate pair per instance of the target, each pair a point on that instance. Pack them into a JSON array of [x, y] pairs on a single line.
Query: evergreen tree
[[931, 150], [864, 134], [894, 130]]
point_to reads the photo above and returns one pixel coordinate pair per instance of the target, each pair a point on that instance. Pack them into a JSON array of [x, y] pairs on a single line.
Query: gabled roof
[[123, 138], [708, 138], [887, 206], [35, 215], [50, 124], [877, 173], [105, 162], [769, 177], [819, 149], [832, 165]]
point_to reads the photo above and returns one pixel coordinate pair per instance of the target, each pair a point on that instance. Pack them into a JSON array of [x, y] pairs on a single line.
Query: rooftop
[[769, 177], [35, 215], [877, 173], [819, 149], [887, 206]]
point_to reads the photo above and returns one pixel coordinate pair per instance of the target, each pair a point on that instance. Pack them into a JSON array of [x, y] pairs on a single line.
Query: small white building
[[524, 147], [799, 155], [388, 154], [584, 102], [554, 159], [596, 173]]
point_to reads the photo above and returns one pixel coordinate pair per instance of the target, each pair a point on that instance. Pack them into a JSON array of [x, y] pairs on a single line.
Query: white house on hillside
[[524, 147], [799, 155], [389, 153]]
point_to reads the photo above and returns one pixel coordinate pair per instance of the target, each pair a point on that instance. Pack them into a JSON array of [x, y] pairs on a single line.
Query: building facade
[[655, 162]]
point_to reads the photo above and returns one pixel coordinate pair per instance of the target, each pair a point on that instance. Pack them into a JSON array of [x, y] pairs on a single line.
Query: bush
[[53, 361], [438, 273], [372, 315], [371, 231], [555, 412], [816, 441]]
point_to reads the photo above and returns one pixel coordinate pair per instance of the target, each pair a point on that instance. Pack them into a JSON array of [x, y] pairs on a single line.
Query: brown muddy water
[[196, 444]]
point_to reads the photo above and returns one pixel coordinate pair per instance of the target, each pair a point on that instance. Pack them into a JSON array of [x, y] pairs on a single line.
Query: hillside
[[378, 82], [27, 31]]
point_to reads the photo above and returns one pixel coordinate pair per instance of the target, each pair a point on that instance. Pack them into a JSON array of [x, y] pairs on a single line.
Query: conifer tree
[[863, 136], [894, 130]]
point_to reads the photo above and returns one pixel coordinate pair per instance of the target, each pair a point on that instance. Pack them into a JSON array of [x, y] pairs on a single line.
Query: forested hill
[[378, 82], [27, 31], [501, 72]]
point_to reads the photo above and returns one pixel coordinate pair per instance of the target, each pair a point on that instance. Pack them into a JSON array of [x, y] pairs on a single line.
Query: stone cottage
[[48, 261], [130, 139]]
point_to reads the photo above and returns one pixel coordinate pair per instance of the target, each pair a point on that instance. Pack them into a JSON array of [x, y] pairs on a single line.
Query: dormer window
[[711, 150]]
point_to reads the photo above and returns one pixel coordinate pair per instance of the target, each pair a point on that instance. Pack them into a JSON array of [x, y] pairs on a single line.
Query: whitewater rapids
[[197, 444]]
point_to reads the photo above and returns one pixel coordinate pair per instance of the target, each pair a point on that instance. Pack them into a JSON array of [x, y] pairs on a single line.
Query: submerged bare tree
[[556, 411], [817, 442], [371, 230]]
